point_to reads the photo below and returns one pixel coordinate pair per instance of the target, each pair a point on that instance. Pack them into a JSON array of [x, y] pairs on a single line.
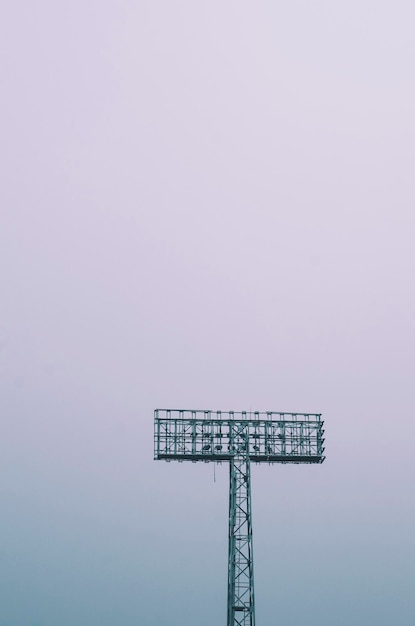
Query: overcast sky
[[205, 205]]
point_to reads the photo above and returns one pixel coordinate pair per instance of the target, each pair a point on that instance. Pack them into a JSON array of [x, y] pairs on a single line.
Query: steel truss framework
[[241, 602], [239, 438]]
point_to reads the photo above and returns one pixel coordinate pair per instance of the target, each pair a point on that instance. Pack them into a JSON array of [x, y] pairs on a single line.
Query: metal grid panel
[[219, 436]]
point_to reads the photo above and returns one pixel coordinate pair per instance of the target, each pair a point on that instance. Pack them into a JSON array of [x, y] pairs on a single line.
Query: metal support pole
[[241, 605], [235, 437]]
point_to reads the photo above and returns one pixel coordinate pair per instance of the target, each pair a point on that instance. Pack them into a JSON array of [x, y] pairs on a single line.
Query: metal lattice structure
[[241, 601], [240, 439]]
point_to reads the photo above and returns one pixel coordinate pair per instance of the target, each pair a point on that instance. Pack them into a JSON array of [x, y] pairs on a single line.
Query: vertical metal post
[[241, 605]]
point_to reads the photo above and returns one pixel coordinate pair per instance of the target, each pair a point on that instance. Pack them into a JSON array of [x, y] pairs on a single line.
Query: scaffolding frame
[[239, 438]]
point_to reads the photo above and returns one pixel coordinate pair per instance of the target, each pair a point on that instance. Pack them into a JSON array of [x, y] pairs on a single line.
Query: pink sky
[[209, 205]]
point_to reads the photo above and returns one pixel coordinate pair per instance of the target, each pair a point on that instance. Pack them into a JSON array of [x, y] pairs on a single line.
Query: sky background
[[205, 205]]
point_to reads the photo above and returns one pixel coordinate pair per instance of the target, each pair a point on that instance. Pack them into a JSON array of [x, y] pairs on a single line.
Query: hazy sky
[[205, 205]]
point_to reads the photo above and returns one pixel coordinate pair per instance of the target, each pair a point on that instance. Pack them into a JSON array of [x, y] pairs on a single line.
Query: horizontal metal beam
[[223, 415], [218, 458]]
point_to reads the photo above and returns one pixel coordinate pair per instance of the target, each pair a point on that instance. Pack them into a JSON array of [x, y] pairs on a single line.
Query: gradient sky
[[205, 205]]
